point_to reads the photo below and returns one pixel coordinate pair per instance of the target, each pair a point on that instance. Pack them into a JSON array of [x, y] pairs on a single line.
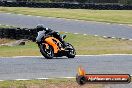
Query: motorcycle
[[51, 47]]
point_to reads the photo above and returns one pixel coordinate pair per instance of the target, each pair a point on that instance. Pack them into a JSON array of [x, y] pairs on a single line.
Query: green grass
[[83, 44], [51, 83], [54, 83], [112, 16], [5, 26]]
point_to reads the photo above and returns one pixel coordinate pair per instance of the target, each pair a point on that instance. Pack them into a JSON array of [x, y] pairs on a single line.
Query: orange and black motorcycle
[[51, 47]]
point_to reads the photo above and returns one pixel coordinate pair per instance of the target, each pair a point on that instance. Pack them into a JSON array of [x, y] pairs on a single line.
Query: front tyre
[[47, 52], [71, 51]]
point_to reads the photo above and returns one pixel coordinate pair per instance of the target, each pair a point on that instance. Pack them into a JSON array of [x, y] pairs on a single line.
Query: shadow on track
[[58, 58]]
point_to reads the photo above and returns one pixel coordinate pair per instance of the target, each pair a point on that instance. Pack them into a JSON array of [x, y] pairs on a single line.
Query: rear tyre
[[48, 53], [71, 51]]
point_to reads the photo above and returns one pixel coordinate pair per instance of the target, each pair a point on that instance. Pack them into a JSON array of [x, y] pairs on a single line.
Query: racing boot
[[64, 44]]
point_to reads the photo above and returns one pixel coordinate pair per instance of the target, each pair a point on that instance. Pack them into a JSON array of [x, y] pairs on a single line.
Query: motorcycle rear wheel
[[48, 53]]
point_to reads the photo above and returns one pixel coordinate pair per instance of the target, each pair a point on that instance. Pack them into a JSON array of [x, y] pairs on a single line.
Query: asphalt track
[[26, 68], [38, 67], [75, 26]]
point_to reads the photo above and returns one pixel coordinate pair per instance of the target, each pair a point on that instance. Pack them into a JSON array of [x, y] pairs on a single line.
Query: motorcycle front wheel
[[71, 51], [47, 52]]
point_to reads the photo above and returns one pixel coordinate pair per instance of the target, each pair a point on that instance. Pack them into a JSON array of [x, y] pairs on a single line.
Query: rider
[[51, 32]]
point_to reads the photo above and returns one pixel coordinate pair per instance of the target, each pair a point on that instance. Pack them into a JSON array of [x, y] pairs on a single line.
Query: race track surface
[[94, 28], [39, 67], [23, 68]]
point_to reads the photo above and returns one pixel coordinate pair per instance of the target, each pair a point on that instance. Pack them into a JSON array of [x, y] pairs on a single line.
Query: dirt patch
[[4, 40], [8, 42]]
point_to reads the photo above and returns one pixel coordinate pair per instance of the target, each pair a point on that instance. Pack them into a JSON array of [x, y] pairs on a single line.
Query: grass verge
[[111, 16], [83, 44], [55, 83], [51, 83], [5, 26]]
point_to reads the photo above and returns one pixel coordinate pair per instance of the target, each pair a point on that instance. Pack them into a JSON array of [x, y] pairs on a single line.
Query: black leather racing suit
[[55, 34]]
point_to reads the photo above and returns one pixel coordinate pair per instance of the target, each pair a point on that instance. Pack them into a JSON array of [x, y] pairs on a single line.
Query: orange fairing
[[50, 41]]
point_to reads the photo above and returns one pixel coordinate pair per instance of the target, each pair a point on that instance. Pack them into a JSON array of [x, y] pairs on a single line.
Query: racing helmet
[[40, 26]]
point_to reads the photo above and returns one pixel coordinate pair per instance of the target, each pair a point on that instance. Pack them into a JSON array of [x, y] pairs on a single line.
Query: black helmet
[[40, 27]]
